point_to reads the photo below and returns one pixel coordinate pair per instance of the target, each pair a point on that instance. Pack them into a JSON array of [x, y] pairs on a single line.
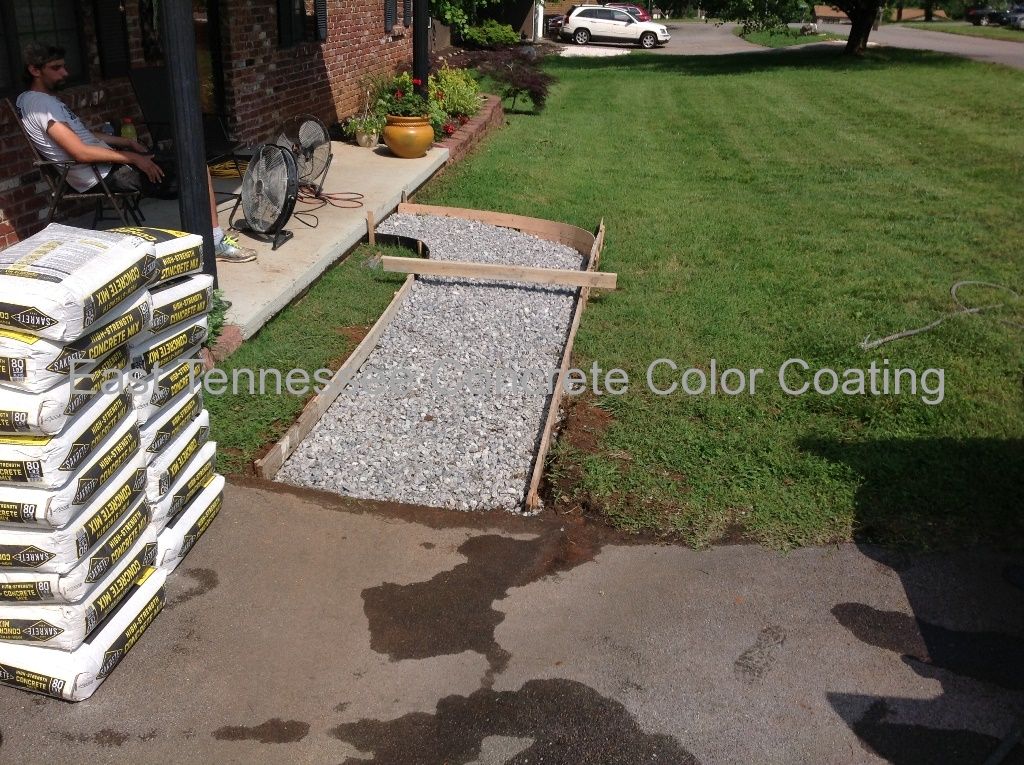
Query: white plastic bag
[[63, 626], [48, 412], [182, 532], [36, 364], [58, 282], [75, 675], [166, 466], [196, 476], [177, 253], [55, 508], [51, 461]]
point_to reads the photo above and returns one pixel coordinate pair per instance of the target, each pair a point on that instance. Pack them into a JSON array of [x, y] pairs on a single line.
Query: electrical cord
[[962, 310]]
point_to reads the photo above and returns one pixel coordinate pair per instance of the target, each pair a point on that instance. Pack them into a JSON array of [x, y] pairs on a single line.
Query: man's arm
[[79, 151], [121, 143]]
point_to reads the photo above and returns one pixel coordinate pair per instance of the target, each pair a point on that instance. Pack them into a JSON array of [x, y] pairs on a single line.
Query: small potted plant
[[366, 127], [407, 131]]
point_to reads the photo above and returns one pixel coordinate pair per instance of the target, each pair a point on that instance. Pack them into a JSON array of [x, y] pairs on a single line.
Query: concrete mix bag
[[64, 627], [155, 391], [76, 583], [61, 550], [154, 354], [176, 253], [51, 461], [193, 479], [169, 424], [48, 412], [181, 534], [35, 364], [63, 279], [178, 301], [55, 508], [75, 675], [166, 466]]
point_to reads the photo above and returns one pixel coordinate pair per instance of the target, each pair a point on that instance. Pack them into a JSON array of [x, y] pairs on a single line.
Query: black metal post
[[179, 39], [420, 44]]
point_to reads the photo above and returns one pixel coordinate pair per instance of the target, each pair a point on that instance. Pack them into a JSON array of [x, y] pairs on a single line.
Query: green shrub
[[490, 34], [455, 91]]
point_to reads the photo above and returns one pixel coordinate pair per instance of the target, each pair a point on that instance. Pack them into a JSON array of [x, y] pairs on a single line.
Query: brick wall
[[264, 85]]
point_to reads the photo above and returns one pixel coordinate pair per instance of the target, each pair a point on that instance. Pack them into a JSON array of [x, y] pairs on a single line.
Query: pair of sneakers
[[230, 250]]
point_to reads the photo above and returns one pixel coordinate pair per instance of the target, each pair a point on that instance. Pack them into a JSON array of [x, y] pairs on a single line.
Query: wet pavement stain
[[903, 744], [755, 662], [991, 657], [104, 737], [568, 722], [206, 579], [452, 612], [274, 731]]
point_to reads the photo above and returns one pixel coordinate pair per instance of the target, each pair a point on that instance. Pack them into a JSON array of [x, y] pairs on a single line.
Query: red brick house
[[260, 61]]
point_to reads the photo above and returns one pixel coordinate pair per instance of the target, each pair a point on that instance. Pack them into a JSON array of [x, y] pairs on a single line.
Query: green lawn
[[963, 28], [758, 209], [769, 208], [784, 39]]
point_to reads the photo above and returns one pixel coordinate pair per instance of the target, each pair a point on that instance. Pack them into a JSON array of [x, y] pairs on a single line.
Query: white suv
[[594, 22]]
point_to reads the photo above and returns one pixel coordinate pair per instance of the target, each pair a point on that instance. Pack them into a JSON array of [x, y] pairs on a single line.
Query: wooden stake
[[370, 233], [458, 268]]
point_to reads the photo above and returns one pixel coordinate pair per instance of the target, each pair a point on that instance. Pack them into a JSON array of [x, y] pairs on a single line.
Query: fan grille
[[309, 141], [265, 188]]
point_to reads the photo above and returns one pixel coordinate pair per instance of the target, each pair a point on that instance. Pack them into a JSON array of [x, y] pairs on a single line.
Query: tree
[[769, 14]]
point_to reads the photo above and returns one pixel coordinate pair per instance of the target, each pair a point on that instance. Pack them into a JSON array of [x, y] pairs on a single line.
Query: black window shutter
[[286, 32], [390, 15], [320, 9], [407, 12], [112, 38]]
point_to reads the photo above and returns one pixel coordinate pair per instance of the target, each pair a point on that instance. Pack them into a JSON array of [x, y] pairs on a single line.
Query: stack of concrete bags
[[80, 578], [182, 488]]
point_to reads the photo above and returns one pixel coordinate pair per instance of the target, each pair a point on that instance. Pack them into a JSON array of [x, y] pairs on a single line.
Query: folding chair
[[55, 174]]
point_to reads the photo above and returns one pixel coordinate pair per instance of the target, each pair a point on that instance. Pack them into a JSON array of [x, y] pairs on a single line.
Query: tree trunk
[[899, 12], [861, 20], [929, 11]]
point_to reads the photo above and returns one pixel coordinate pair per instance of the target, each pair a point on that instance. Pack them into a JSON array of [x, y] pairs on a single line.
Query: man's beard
[[60, 85]]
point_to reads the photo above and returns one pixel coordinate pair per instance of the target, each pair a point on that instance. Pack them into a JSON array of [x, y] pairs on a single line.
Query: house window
[[51, 22], [291, 22], [390, 15]]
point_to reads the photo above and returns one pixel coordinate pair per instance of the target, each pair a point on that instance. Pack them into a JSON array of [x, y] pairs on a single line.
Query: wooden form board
[[458, 268], [268, 466], [533, 493]]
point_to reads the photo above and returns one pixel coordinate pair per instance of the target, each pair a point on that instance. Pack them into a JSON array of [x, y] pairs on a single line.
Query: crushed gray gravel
[[448, 408]]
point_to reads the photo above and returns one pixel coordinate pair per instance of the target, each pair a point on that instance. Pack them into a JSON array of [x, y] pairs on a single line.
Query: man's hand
[[135, 146], [146, 166]]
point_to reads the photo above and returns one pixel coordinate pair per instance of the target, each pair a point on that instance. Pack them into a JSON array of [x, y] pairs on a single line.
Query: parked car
[[636, 11], [553, 23], [1015, 17], [983, 17], [593, 22]]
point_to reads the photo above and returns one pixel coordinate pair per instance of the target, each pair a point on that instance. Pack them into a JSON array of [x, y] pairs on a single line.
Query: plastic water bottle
[[107, 128], [128, 129]]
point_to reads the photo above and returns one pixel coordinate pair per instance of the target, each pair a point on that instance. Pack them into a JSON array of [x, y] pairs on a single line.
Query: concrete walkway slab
[[258, 290], [311, 628]]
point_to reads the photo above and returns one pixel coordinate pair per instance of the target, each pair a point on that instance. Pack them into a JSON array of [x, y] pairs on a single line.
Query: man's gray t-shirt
[[37, 110]]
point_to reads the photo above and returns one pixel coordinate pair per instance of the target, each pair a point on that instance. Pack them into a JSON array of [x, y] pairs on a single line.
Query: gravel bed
[[448, 408]]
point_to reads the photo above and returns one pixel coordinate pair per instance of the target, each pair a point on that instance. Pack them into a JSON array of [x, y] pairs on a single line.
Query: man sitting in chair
[[61, 137]]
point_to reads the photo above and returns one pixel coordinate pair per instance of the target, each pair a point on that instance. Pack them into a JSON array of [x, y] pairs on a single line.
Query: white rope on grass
[[962, 310]]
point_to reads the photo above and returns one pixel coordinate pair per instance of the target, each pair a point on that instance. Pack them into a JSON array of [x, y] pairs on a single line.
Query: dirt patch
[[355, 333]]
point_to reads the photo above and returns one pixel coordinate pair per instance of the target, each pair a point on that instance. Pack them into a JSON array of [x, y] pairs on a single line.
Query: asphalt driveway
[[310, 628]]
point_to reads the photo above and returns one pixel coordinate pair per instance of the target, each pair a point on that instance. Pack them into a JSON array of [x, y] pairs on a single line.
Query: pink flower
[[399, 94], [417, 81]]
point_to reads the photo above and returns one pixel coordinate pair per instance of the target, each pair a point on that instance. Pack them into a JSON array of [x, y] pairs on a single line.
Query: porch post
[[179, 43], [420, 64]]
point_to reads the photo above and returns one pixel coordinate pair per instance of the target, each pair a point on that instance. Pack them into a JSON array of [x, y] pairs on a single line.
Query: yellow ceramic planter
[[408, 137]]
